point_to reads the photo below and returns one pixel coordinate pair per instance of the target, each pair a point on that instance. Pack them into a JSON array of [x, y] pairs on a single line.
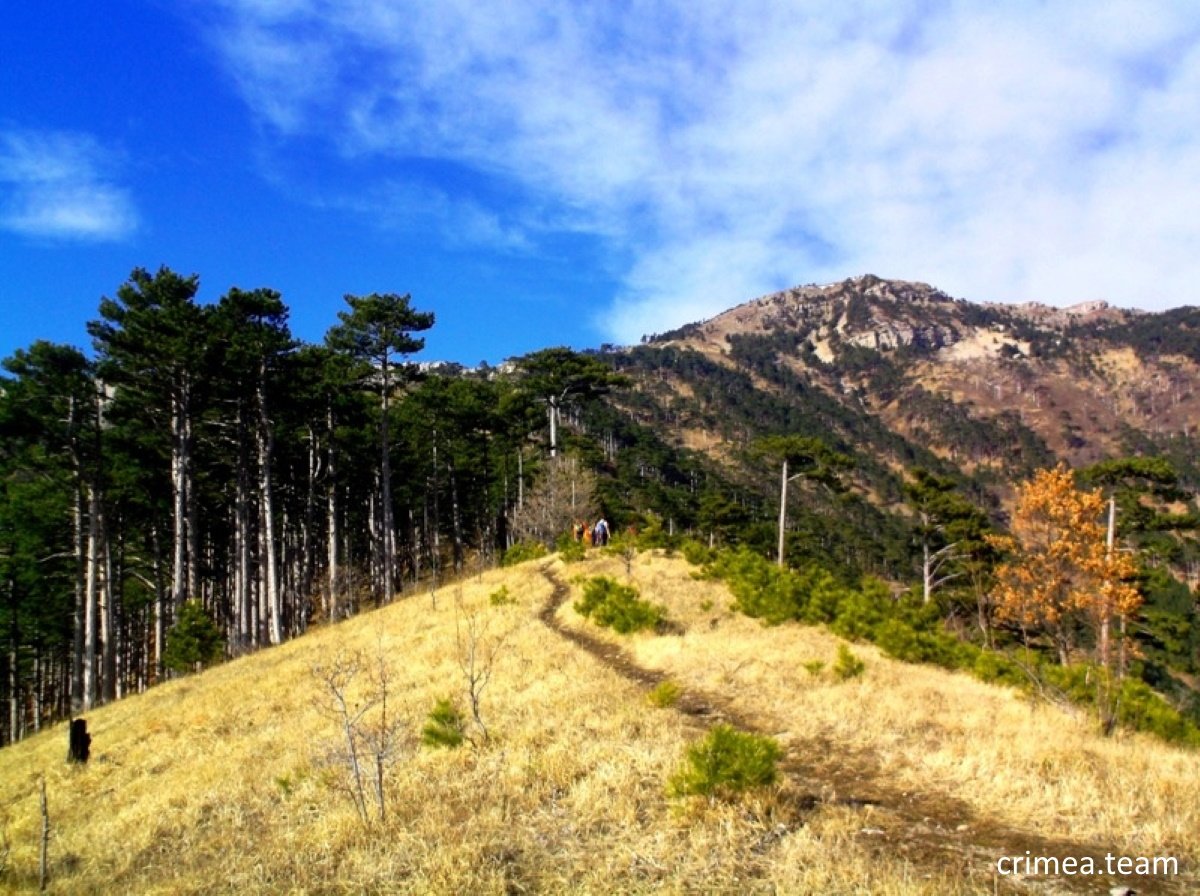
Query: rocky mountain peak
[[1077, 383], [866, 310]]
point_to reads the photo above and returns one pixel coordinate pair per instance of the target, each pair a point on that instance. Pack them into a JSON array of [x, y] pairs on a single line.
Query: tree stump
[[81, 741]]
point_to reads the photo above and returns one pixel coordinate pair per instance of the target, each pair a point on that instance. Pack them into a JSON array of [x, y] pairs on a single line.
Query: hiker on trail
[[577, 530], [600, 535], [587, 536]]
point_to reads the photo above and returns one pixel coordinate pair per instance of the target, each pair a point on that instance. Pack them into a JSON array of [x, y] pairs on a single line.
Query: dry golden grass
[[1027, 765], [215, 784]]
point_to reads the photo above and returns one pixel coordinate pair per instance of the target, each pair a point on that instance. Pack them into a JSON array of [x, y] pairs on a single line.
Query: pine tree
[[949, 529], [53, 411], [151, 343], [799, 457], [254, 339], [560, 378], [194, 641], [378, 330]]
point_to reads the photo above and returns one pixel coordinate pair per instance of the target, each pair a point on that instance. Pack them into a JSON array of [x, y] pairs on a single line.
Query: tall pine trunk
[[91, 601], [13, 679], [160, 605], [193, 514], [242, 574], [108, 635], [552, 410], [1110, 544], [375, 562], [179, 502], [80, 601], [267, 545], [80, 567], [334, 608], [386, 522], [783, 484], [434, 530], [455, 520], [308, 565]]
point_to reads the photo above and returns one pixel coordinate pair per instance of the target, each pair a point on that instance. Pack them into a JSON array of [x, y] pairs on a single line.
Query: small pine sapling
[[501, 597], [725, 763], [847, 665], [665, 694], [444, 726], [610, 604]]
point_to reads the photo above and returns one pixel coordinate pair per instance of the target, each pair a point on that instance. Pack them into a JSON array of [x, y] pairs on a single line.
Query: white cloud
[[1036, 150], [55, 185], [407, 207]]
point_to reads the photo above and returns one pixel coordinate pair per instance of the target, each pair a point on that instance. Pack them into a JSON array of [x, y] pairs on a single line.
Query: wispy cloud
[[1035, 150], [423, 208], [57, 185]]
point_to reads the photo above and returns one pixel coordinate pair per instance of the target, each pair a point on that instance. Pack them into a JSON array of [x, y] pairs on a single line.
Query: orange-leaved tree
[[1065, 573]]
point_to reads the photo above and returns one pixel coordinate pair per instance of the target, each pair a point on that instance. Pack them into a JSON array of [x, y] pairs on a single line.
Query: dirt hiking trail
[[932, 830]]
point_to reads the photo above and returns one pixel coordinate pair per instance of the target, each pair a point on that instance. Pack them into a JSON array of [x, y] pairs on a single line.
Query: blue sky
[[541, 173]]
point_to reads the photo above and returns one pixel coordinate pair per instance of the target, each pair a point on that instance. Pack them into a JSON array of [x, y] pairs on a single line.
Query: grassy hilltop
[[902, 780]]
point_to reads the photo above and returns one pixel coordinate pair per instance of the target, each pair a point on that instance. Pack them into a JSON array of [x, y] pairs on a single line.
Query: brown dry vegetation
[[214, 783]]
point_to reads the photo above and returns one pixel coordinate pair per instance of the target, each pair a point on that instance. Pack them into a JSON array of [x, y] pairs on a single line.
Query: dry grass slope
[[214, 784]]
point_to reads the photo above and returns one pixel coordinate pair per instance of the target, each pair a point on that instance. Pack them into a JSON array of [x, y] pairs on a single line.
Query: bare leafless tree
[[564, 493], [357, 693], [477, 649]]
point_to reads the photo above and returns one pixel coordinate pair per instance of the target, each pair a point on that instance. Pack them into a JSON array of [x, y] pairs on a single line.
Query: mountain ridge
[[1056, 368]]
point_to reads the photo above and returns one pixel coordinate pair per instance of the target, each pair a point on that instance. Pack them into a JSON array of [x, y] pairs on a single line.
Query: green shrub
[[725, 763], [1136, 704], [857, 613], [760, 589], [445, 726], [824, 599], [996, 668], [764, 591], [595, 592], [651, 534], [501, 597], [522, 551], [1141, 708], [900, 640], [665, 694], [570, 550], [847, 665], [814, 667], [696, 553], [610, 604], [1074, 682]]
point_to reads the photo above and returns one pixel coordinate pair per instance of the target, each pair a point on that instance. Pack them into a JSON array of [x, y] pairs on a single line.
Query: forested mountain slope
[[899, 375], [994, 389]]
